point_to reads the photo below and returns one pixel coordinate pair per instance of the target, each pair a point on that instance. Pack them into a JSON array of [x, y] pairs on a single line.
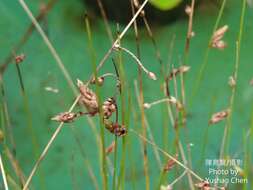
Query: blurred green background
[[63, 167]]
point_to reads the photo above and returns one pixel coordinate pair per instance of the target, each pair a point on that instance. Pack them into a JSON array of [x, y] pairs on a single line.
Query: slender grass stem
[[15, 165], [86, 161], [30, 129], [123, 82], [189, 32], [206, 56], [3, 174], [6, 122], [115, 164], [102, 134], [178, 179], [227, 129], [156, 153], [105, 19]]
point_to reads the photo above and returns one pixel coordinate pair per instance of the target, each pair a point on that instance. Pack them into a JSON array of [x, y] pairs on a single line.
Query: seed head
[[100, 81], [111, 148], [219, 116], [115, 128], [231, 82], [146, 105], [188, 10], [88, 98], [152, 75], [109, 106], [217, 41], [19, 58], [65, 117], [204, 185], [170, 164]]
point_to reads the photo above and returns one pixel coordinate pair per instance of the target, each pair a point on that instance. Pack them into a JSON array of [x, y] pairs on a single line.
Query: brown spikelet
[[217, 41], [169, 165], [65, 117], [19, 58], [182, 69], [109, 106], [219, 116], [110, 148], [100, 81], [88, 98], [204, 185], [115, 128]]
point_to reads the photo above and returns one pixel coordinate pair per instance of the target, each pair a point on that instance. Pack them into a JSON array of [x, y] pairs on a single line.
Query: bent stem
[[150, 74]]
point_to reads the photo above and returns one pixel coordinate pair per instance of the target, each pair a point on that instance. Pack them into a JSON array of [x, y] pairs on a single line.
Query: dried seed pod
[[111, 148], [217, 41], [65, 117], [100, 81], [219, 116], [204, 185], [88, 98], [19, 58], [182, 69], [169, 165], [188, 10], [146, 105], [109, 106], [152, 76], [115, 128], [231, 82]]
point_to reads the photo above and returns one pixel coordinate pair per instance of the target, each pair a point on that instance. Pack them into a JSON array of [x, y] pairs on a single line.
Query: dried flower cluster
[[204, 185], [115, 128], [216, 41], [109, 106], [100, 80], [110, 148], [19, 58], [219, 116], [89, 99], [66, 117], [180, 70], [170, 164]]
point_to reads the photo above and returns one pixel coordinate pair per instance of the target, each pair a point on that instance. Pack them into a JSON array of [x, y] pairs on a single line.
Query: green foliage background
[[66, 29]]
